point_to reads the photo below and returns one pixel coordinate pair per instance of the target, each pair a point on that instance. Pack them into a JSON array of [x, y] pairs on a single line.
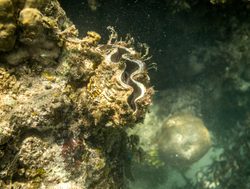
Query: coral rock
[[183, 140]]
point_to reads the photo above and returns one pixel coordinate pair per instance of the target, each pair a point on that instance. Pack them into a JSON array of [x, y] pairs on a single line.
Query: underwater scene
[[124, 94]]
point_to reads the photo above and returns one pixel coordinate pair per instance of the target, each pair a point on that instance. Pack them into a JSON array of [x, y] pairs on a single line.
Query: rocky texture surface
[[183, 140], [65, 102]]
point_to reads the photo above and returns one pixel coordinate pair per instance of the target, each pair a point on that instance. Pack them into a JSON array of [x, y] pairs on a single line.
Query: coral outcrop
[[65, 102], [183, 140]]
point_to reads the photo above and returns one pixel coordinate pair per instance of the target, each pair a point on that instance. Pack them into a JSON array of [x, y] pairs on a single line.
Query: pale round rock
[[183, 140]]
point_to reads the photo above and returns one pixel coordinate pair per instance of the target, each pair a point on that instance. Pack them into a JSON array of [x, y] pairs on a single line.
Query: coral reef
[[204, 44], [65, 102]]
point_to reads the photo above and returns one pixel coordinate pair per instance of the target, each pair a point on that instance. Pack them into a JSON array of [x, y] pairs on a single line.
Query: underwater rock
[[178, 101], [65, 102], [183, 140]]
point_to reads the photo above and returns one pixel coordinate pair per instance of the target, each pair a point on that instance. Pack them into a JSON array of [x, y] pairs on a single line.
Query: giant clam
[[121, 80]]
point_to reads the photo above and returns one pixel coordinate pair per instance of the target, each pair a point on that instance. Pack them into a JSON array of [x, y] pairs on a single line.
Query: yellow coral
[[48, 76], [7, 81], [92, 38], [30, 17]]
